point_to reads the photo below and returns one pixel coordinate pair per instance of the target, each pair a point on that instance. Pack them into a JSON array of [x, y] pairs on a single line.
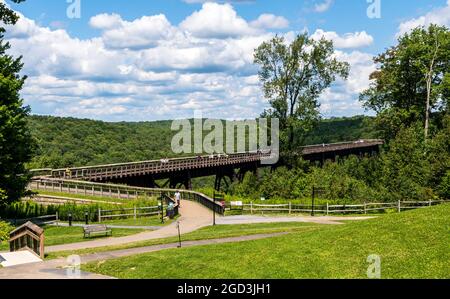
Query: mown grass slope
[[412, 244]]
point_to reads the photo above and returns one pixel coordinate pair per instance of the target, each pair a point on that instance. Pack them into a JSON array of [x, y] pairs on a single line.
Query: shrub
[[5, 229]]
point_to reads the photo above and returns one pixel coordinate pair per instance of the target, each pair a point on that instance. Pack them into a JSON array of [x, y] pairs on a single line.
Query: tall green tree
[[412, 81], [294, 76], [15, 141]]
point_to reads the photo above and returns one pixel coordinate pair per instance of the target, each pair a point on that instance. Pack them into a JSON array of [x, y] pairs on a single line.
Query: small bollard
[[70, 219], [86, 218]]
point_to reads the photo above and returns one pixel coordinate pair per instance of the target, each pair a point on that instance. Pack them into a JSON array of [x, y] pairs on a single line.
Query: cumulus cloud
[[216, 21], [148, 68], [270, 21], [323, 6], [106, 21], [146, 31], [342, 98], [440, 16], [349, 40]]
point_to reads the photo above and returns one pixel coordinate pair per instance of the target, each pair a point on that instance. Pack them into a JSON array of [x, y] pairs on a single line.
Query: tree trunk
[[427, 112]]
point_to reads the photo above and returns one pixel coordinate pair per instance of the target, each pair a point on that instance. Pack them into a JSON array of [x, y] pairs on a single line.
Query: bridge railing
[[155, 166], [118, 191]]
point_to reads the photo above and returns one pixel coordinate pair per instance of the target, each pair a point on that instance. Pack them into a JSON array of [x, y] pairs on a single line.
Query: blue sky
[[150, 60]]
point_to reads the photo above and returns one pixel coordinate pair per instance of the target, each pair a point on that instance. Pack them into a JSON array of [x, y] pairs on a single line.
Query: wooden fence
[[40, 220], [118, 191], [128, 213], [47, 200], [328, 209]]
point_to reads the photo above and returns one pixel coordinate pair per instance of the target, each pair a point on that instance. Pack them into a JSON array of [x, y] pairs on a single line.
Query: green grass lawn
[[211, 232], [412, 244], [64, 235]]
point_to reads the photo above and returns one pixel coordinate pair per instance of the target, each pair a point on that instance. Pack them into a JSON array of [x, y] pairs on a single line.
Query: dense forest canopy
[[65, 142]]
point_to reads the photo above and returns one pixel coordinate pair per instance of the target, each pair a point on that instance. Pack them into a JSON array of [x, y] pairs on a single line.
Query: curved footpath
[[194, 216]]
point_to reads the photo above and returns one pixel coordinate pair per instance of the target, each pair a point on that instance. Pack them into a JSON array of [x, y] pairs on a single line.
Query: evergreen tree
[[15, 140]]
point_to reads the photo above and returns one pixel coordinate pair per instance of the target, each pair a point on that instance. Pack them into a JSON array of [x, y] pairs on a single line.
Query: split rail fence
[[118, 191], [128, 213], [328, 209]]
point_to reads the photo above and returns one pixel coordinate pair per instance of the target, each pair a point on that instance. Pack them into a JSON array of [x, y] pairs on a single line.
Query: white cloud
[[140, 33], [148, 68], [270, 21], [342, 98], [324, 6], [216, 21], [349, 40], [440, 16], [106, 21]]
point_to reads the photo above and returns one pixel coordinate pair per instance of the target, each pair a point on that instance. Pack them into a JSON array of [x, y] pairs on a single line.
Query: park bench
[[96, 229]]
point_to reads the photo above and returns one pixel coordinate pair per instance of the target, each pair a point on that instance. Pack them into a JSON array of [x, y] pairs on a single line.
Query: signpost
[[161, 205], [217, 197], [179, 234]]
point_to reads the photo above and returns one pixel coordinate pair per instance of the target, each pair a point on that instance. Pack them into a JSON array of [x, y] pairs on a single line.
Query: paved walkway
[[249, 219], [193, 217], [57, 268]]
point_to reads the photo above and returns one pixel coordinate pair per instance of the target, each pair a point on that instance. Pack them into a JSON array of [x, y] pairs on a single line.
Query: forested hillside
[[76, 142]]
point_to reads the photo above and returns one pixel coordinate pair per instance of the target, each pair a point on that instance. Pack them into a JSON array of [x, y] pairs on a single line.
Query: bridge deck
[[167, 166], [111, 171], [335, 147]]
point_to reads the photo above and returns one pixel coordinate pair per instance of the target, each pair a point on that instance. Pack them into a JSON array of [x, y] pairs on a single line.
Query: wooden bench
[[96, 229]]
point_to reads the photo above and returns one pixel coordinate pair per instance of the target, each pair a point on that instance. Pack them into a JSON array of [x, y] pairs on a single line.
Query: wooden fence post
[[251, 207], [365, 208], [399, 207], [430, 203], [135, 214], [328, 209], [290, 208], [99, 215]]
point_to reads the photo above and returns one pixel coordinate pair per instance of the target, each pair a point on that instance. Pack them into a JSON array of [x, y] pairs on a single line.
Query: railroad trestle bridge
[[144, 176], [179, 172]]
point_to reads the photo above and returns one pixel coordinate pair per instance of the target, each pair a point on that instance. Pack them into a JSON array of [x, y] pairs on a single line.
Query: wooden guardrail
[[118, 191], [110, 171], [61, 200], [128, 213], [327, 209]]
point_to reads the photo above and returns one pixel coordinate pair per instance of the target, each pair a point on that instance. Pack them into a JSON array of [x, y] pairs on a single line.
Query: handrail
[[361, 141], [187, 194]]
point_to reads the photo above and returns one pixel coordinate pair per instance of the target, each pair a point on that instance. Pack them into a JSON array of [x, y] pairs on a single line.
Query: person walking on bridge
[[178, 198]]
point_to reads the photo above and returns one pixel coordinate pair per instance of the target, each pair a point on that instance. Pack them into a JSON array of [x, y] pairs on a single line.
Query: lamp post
[[179, 234], [86, 217], [214, 209], [161, 205], [70, 219]]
